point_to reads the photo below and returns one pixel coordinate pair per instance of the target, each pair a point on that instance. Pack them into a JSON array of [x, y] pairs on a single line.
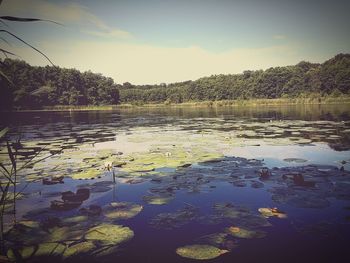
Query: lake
[[226, 184]]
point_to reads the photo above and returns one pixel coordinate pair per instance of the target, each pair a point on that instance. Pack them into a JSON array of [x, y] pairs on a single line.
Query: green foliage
[[302, 80], [200, 252], [36, 87]]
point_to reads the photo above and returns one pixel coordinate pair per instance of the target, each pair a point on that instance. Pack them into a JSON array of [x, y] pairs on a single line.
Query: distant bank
[[46, 87], [203, 104]]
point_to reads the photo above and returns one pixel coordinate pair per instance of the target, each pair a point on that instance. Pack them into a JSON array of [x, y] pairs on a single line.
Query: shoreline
[[198, 104]]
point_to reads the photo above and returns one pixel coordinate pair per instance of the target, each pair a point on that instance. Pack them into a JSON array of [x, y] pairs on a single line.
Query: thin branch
[[20, 39]]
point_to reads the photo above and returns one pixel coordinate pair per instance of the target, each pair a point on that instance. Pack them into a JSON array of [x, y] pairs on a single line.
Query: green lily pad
[[29, 223], [89, 174], [158, 199], [122, 210], [175, 219], [109, 234], [80, 248], [216, 239], [245, 233], [271, 212], [201, 252], [43, 249], [105, 251], [58, 234]]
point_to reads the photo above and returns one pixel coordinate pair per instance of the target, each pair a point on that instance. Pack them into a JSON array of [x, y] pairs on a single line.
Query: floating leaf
[[245, 233], [158, 199], [89, 174], [200, 252], [216, 239], [43, 249], [175, 219], [270, 212], [75, 219], [122, 210], [80, 248], [29, 223], [108, 234]]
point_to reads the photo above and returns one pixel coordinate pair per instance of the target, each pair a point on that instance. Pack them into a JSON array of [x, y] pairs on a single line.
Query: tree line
[[35, 87], [304, 79]]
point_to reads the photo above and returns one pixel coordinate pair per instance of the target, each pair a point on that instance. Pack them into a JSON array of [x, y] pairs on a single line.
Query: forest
[[36, 87]]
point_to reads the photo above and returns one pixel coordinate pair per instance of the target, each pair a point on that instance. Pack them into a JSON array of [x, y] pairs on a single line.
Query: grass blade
[[3, 132], [10, 153], [26, 19], [20, 39]]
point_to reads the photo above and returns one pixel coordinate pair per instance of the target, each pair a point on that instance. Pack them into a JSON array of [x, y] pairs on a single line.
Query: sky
[[154, 41]]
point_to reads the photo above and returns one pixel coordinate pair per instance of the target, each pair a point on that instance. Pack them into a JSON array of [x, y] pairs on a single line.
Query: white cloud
[[145, 64], [65, 13]]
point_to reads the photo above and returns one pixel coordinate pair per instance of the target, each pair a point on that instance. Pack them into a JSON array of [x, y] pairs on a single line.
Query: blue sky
[[146, 42]]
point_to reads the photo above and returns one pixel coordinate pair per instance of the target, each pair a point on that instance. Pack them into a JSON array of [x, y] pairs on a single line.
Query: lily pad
[[270, 212], [108, 234], [80, 248], [43, 249], [89, 174], [122, 210], [175, 219], [216, 239], [245, 233], [201, 252], [75, 219], [158, 199]]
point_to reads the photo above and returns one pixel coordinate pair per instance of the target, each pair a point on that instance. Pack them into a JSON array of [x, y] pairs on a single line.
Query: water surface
[[192, 172]]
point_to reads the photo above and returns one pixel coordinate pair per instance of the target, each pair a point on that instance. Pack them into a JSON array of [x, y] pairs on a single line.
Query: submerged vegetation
[[54, 87]]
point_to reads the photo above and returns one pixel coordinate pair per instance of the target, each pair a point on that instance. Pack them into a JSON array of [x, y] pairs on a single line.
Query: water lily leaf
[[29, 223], [270, 212], [201, 252], [80, 248], [245, 233], [43, 249], [23, 234], [58, 234], [108, 234], [175, 219], [89, 174], [216, 239], [158, 199], [105, 251], [122, 210]]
